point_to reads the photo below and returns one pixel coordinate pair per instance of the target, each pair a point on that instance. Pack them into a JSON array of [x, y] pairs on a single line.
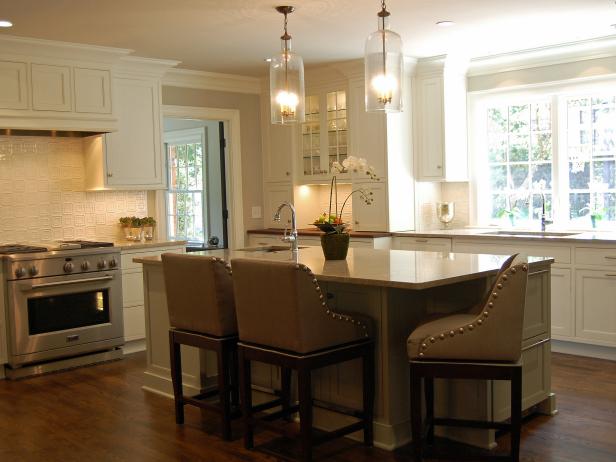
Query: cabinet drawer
[[429, 244], [127, 258], [595, 256], [561, 254], [364, 243]]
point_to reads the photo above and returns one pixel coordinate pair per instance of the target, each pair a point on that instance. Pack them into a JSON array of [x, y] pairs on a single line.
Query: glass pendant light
[[287, 80], [383, 64]]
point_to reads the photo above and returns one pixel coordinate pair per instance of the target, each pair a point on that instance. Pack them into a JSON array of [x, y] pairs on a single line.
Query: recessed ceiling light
[[445, 23], [5, 23]]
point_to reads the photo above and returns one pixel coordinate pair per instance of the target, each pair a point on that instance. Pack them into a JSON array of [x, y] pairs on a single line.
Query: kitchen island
[[397, 289]]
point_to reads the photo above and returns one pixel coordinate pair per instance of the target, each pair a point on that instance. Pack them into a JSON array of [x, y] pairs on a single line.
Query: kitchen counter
[[397, 289], [316, 232], [381, 268], [134, 245], [587, 237]]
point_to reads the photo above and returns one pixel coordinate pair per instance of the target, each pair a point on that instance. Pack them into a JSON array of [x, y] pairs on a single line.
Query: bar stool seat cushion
[[444, 323]]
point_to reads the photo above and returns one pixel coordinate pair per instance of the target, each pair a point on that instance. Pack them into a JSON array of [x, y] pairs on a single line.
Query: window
[[553, 149], [185, 198]]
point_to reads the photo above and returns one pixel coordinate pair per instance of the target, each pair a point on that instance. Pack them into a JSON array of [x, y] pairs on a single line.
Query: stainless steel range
[[61, 304]]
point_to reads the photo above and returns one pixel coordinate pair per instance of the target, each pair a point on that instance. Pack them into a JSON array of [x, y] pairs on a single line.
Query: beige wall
[[250, 123]]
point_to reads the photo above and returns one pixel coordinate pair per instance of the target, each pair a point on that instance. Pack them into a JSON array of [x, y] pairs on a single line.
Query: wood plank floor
[[100, 413]]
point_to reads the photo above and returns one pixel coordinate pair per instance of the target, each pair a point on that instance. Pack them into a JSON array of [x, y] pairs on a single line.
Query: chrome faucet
[[291, 238], [544, 222]]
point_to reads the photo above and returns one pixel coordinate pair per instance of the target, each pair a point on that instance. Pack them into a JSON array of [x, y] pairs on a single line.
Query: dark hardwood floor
[[100, 413]]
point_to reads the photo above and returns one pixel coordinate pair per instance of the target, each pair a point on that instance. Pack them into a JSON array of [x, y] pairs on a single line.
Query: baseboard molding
[[133, 347], [583, 349]]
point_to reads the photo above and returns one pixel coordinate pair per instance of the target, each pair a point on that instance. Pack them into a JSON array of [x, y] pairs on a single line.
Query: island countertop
[[383, 268]]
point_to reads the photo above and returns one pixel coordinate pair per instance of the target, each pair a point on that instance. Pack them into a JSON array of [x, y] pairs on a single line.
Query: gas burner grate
[[8, 249], [88, 244]]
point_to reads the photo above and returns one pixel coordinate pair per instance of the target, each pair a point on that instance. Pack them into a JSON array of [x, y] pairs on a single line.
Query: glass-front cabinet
[[324, 135]]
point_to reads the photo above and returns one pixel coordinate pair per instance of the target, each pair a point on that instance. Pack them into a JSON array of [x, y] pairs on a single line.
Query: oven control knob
[[68, 267], [33, 271], [20, 272], [102, 264], [85, 265], [113, 263]]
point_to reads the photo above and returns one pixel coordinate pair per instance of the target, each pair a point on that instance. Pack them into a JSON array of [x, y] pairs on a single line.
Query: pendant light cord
[[383, 16], [286, 54]]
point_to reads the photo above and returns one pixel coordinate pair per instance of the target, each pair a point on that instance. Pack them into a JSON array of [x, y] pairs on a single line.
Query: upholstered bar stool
[[482, 343], [202, 314], [284, 320]]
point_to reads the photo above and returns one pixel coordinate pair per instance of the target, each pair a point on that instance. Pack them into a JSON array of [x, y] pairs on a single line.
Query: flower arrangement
[[595, 214], [331, 223]]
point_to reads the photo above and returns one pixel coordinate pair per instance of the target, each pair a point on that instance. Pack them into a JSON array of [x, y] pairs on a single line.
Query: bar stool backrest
[[199, 294], [280, 304]]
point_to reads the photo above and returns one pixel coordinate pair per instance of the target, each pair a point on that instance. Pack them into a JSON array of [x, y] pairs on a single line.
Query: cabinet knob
[[288, 173], [356, 222], [110, 175], [439, 167]]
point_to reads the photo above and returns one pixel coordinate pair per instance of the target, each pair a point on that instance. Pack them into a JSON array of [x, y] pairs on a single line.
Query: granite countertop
[[134, 245], [316, 232], [587, 237], [382, 268]]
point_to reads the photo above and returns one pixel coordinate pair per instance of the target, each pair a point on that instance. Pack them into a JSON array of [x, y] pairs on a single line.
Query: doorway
[[196, 197]]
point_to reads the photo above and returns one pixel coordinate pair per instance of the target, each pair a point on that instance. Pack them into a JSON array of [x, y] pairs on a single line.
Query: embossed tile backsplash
[[42, 195]]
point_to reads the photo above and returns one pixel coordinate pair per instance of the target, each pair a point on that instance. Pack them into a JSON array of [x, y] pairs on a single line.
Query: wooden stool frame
[[429, 370], [304, 364]]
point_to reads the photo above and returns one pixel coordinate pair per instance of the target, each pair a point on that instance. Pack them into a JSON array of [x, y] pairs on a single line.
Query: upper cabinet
[[439, 111], [324, 135], [48, 85], [132, 157]]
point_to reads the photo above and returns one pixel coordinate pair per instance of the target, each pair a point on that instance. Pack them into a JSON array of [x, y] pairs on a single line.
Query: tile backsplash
[[42, 195]]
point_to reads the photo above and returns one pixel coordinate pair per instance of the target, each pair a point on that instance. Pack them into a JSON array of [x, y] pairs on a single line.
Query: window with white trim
[[551, 150]]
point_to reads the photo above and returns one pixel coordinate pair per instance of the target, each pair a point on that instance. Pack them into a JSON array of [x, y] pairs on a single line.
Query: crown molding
[[202, 80], [136, 65], [20, 47], [600, 47]]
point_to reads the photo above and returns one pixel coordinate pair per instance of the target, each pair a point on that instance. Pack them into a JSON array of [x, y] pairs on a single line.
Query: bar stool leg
[[246, 399], [224, 391], [416, 412], [305, 413], [285, 392], [235, 385], [429, 391], [368, 389], [176, 378], [516, 413]]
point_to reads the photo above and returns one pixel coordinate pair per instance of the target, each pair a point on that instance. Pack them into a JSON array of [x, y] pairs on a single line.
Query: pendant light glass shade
[[383, 67], [287, 98]]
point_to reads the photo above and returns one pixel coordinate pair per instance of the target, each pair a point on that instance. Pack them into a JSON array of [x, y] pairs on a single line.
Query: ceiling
[[234, 36]]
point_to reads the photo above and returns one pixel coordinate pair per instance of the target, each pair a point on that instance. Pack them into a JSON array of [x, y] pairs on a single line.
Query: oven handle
[[64, 283]]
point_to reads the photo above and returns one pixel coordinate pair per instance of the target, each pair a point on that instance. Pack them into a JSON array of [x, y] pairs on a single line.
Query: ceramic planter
[[335, 245]]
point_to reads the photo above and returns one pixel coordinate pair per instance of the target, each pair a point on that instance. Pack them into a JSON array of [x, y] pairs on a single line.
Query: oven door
[[60, 316]]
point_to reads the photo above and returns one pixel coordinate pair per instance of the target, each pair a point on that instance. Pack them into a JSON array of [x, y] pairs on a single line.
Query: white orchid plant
[[332, 223]]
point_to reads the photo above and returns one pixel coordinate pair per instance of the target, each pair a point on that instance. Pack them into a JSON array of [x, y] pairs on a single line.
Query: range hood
[[49, 133]]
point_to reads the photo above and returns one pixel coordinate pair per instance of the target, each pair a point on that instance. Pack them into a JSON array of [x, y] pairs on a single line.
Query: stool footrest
[[470, 423], [327, 436]]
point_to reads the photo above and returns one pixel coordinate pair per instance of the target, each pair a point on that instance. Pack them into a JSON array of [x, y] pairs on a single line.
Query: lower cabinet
[[132, 289], [595, 305], [257, 240], [425, 244], [563, 314], [275, 194]]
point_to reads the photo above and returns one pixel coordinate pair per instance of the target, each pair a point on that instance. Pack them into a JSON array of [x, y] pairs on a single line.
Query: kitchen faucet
[[291, 238], [544, 222]]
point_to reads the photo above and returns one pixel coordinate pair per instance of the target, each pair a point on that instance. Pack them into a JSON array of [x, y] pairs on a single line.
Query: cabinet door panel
[[423, 244], [134, 323], [595, 305], [279, 159], [134, 151], [563, 317], [51, 88], [13, 85], [274, 195], [431, 124], [92, 91], [132, 288]]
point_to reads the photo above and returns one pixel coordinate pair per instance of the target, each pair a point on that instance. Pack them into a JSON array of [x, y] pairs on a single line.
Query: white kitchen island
[[397, 289]]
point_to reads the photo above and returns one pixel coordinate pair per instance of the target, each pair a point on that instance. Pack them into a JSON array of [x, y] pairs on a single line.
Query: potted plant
[[335, 237], [595, 214], [132, 228], [148, 224]]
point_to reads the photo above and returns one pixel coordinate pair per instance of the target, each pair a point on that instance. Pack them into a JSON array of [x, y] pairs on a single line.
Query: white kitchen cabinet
[[13, 85], [132, 157], [257, 240], [275, 194], [370, 217], [92, 90], [132, 289], [3, 327], [563, 314], [278, 151], [425, 244], [51, 87], [439, 110], [595, 305]]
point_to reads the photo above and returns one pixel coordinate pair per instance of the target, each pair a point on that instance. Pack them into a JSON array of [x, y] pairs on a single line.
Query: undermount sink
[[269, 248], [532, 233]]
